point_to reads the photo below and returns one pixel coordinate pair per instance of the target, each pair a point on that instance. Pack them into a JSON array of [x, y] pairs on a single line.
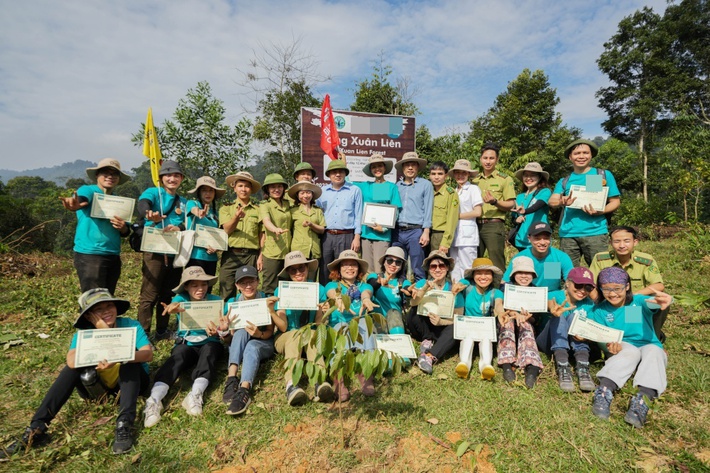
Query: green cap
[[592, 145], [274, 179], [337, 164], [303, 167]]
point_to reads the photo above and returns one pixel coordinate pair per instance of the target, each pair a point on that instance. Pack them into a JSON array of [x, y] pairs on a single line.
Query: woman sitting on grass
[[390, 286], [640, 351], [201, 348], [100, 310]]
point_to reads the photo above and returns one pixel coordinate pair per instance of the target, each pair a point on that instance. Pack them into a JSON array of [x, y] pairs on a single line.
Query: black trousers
[[96, 271], [442, 335], [203, 357]]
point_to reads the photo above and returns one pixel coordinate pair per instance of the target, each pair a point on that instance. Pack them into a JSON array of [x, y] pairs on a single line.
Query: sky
[[77, 77]]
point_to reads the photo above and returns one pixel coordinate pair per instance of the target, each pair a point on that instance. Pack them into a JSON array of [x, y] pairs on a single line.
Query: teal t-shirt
[[194, 337], [209, 220], [94, 236], [293, 317], [458, 299], [125, 322], [389, 297], [551, 270], [480, 305], [336, 316], [156, 195], [575, 222], [635, 319], [540, 215], [583, 308], [379, 193]]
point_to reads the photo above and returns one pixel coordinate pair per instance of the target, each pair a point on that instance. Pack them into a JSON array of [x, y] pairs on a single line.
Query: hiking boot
[[230, 389], [462, 370], [367, 385], [324, 392], [426, 362], [586, 383], [638, 410], [165, 335], [30, 438], [488, 373], [508, 373], [193, 404], [425, 346], [531, 375], [564, 377], [341, 391], [296, 396], [152, 411], [123, 440], [240, 402], [601, 402]]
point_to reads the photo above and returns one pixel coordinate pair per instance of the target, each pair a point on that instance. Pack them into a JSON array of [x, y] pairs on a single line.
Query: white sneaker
[[193, 404], [152, 412]]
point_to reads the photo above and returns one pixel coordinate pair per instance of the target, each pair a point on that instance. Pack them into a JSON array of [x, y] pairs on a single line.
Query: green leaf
[[368, 324], [297, 371], [353, 327], [321, 339], [463, 446], [349, 364]]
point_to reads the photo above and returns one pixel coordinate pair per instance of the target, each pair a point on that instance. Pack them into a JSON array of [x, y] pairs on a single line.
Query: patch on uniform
[[450, 189], [642, 260], [610, 317], [603, 256], [654, 269]]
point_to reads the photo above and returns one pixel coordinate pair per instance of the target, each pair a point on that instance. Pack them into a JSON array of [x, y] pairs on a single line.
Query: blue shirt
[[540, 215], [125, 322], [389, 297], [635, 319], [209, 220], [417, 202], [194, 337], [156, 195], [379, 193], [293, 317], [336, 316], [342, 208], [94, 236], [480, 305], [554, 281]]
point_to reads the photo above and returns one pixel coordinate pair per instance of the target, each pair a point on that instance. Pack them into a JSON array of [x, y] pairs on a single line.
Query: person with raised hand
[[203, 211]]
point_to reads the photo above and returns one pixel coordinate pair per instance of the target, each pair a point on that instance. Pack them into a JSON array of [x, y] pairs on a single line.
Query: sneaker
[[531, 375], [230, 389], [30, 438], [123, 440], [193, 404], [152, 411], [425, 346], [508, 373], [296, 396], [638, 410], [164, 335], [586, 383], [367, 385], [325, 392], [564, 377], [488, 373], [602, 402], [240, 403], [341, 391], [426, 362], [462, 370]]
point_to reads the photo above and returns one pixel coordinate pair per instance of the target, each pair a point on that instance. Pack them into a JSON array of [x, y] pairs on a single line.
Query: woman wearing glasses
[[390, 286]]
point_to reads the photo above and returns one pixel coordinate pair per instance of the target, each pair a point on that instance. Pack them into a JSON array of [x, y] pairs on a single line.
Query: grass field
[[415, 423]]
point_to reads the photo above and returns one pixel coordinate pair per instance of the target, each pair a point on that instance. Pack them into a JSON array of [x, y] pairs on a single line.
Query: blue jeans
[[368, 341], [249, 352], [554, 337], [409, 240]]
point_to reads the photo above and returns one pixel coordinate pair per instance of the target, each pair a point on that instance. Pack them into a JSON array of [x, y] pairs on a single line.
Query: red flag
[[329, 139]]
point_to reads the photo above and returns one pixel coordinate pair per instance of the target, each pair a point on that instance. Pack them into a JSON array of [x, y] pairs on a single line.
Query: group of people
[[304, 232]]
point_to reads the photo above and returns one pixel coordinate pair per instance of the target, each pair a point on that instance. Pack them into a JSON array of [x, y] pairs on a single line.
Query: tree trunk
[[644, 159]]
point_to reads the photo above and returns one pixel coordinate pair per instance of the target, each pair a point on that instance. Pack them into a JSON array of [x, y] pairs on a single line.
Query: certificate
[[380, 214], [198, 314], [298, 295], [398, 344], [155, 240], [583, 197], [591, 330], [108, 206], [440, 303], [532, 299], [475, 328], [115, 345], [255, 311], [210, 236]]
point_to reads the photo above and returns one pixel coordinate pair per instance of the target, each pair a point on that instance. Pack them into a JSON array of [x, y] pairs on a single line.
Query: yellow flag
[[151, 149]]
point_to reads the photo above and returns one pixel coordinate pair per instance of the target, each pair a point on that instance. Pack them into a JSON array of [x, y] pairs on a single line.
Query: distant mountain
[[58, 174]]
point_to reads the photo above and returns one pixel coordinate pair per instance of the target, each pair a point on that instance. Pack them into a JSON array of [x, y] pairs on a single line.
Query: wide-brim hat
[[304, 186], [482, 264], [522, 264], [96, 296], [336, 164], [349, 254], [409, 157], [209, 182], [463, 165], [436, 254], [592, 146], [395, 251], [304, 166], [273, 178], [170, 167], [108, 163], [581, 275], [243, 176], [531, 167], [194, 273], [374, 159], [295, 258]]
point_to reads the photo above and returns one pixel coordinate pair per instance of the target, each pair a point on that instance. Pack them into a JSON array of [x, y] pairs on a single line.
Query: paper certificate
[[532, 299], [475, 328], [298, 295], [380, 214], [583, 197], [255, 311], [591, 330], [210, 236], [115, 345], [398, 344], [108, 206], [437, 302], [155, 240], [199, 313]]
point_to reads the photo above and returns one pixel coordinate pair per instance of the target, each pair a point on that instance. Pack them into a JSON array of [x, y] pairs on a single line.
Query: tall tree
[[378, 95]]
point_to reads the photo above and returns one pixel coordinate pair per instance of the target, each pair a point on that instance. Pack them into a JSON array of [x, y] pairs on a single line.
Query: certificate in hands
[[379, 214], [255, 311], [583, 197], [298, 295], [596, 332], [475, 328], [115, 345], [398, 344], [532, 299], [198, 314], [438, 302], [210, 236], [108, 206], [155, 240]]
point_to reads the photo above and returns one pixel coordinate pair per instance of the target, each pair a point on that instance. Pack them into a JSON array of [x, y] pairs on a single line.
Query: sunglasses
[[394, 261], [437, 266], [586, 287], [301, 268]]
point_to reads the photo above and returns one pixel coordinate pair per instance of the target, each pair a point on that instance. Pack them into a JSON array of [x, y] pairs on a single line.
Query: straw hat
[[96, 296], [531, 167], [108, 163], [349, 254], [194, 273], [209, 182], [295, 258], [436, 254], [243, 176], [482, 264], [463, 165], [374, 159], [522, 264], [410, 157], [304, 186]]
